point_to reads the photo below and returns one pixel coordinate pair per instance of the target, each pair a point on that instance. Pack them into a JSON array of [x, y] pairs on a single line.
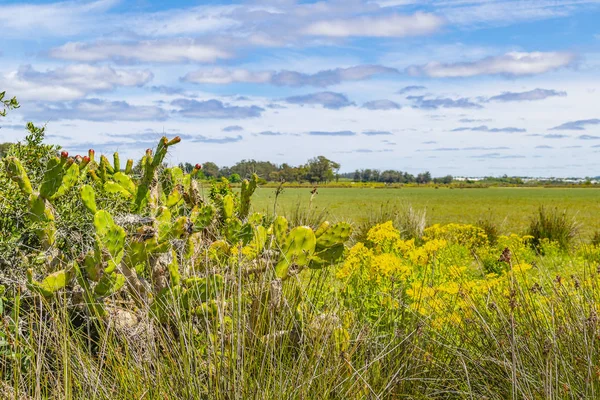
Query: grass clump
[[490, 227], [553, 225], [410, 222]]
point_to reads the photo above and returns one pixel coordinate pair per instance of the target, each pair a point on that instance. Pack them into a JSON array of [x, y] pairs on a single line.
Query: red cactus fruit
[[198, 166], [64, 154]]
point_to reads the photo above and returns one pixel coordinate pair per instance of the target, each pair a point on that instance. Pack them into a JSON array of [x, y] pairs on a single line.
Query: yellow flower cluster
[[466, 235], [383, 236], [455, 271]]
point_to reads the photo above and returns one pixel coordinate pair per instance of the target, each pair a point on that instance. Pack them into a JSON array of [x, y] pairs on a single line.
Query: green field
[[511, 208]]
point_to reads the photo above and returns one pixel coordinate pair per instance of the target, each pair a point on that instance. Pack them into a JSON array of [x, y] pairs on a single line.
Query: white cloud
[[70, 82], [196, 20], [93, 110], [167, 51], [381, 26], [383, 104], [531, 95], [60, 19], [513, 63], [222, 76], [502, 12], [288, 78], [215, 109]]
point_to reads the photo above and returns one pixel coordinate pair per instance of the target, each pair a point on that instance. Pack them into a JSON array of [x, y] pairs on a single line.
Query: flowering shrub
[[453, 273]]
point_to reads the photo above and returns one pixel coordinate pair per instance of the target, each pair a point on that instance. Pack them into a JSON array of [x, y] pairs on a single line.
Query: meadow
[[509, 207], [123, 282]]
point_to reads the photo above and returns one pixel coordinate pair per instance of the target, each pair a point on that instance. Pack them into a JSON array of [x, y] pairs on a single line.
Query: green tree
[[235, 178], [7, 104], [321, 169], [211, 170], [424, 177]]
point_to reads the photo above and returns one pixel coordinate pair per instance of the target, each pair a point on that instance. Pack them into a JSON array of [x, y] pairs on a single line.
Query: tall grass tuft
[[311, 216], [490, 227], [553, 225], [410, 222], [596, 239]]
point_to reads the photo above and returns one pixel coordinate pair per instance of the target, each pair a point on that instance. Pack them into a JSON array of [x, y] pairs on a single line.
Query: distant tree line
[[316, 170], [393, 176]]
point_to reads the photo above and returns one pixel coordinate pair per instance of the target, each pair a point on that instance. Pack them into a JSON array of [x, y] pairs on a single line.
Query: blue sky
[[466, 87]]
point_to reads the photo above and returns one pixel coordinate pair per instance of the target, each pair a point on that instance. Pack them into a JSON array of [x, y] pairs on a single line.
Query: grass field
[[511, 208]]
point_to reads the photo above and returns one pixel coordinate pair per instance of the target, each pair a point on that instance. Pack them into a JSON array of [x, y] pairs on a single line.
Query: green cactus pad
[[50, 285], [327, 257], [125, 181], [70, 177], [335, 234], [109, 284], [322, 228], [115, 188], [110, 235], [280, 227], [17, 173], [228, 206], [174, 198], [248, 188], [52, 178], [299, 246], [202, 217], [39, 212], [200, 290], [116, 162], [129, 167], [88, 196]]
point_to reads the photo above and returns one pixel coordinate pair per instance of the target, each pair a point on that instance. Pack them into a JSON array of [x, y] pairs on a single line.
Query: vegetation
[[122, 281], [507, 209], [553, 225], [7, 104]]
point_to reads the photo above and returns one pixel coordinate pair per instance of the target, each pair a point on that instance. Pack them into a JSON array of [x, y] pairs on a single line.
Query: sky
[[460, 87]]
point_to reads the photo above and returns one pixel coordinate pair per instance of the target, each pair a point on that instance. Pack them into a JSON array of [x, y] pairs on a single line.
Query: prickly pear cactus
[[248, 188], [280, 228], [330, 244], [88, 196], [110, 238], [50, 285], [17, 173], [298, 248]]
